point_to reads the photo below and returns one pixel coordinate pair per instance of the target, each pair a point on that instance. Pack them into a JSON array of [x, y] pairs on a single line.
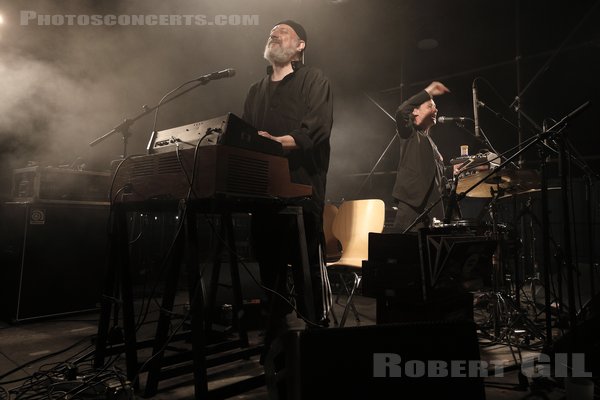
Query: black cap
[[296, 27]]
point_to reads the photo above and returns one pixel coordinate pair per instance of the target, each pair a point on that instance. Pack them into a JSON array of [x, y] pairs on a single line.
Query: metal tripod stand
[[505, 313]]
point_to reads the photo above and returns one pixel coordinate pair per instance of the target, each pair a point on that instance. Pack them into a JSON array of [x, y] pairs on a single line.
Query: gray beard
[[278, 54]]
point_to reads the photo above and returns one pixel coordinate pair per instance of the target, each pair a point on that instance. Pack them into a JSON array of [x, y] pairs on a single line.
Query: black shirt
[[299, 105]]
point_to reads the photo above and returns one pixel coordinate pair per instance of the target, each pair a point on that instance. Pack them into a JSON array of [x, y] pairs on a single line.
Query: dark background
[[64, 86]]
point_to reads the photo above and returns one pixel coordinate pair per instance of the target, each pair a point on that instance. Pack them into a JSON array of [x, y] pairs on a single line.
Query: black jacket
[[417, 167], [299, 105]]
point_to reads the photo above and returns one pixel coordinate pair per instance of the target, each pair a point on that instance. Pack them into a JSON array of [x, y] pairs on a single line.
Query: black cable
[[226, 244], [45, 356], [163, 268], [35, 384], [14, 362], [144, 313], [182, 217], [83, 385], [112, 199], [162, 349], [260, 285], [223, 241]]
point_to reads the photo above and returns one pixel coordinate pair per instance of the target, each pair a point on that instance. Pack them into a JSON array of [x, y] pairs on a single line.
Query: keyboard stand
[[118, 283]]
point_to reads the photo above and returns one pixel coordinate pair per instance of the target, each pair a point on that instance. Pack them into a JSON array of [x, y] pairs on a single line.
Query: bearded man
[[292, 105]]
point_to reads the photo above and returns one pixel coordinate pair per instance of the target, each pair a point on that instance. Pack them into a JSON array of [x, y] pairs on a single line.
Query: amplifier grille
[[150, 166], [143, 167], [168, 165], [247, 175]]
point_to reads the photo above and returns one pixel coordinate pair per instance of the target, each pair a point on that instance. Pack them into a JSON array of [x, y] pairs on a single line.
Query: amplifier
[[53, 258], [60, 185]]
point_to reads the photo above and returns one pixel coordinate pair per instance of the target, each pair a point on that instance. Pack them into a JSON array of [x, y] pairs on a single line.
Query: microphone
[[226, 73], [475, 109], [442, 120], [204, 79]]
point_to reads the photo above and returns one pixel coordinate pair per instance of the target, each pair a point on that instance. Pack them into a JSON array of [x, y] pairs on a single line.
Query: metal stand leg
[[162, 330], [118, 280], [309, 300]]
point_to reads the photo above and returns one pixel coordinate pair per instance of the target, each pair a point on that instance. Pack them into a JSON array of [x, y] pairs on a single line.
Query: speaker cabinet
[[53, 258], [376, 362]]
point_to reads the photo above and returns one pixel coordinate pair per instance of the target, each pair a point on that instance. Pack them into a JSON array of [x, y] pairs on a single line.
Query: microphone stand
[[590, 176], [564, 173], [546, 246], [123, 127], [540, 138], [531, 121], [590, 223], [368, 177]]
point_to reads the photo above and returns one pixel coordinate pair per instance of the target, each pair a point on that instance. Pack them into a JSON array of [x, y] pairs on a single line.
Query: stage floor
[[38, 346]]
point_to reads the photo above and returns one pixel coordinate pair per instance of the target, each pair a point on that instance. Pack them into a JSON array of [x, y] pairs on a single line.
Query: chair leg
[[349, 303], [350, 300], [355, 312], [341, 276], [336, 301], [291, 287], [332, 312]]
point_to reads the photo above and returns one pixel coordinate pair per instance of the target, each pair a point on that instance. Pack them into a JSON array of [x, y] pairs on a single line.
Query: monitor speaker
[[376, 362]]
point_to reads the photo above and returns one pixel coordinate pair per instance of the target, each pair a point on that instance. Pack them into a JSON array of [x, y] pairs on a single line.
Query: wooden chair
[[333, 248], [351, 226]]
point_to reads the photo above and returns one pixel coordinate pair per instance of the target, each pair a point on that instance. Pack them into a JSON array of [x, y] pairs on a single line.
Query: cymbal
[[525, 192], [523, 180], [510, 181], [495, 182]]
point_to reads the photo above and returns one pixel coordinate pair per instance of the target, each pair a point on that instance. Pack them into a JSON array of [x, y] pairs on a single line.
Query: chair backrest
[[333, 248], [352, 224]]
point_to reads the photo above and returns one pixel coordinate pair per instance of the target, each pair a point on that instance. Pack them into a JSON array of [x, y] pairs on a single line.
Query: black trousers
[[276, 248], [407, 214]]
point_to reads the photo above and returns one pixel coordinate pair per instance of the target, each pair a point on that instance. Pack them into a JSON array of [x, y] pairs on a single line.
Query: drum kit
[[507, 216], [505, 181]]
